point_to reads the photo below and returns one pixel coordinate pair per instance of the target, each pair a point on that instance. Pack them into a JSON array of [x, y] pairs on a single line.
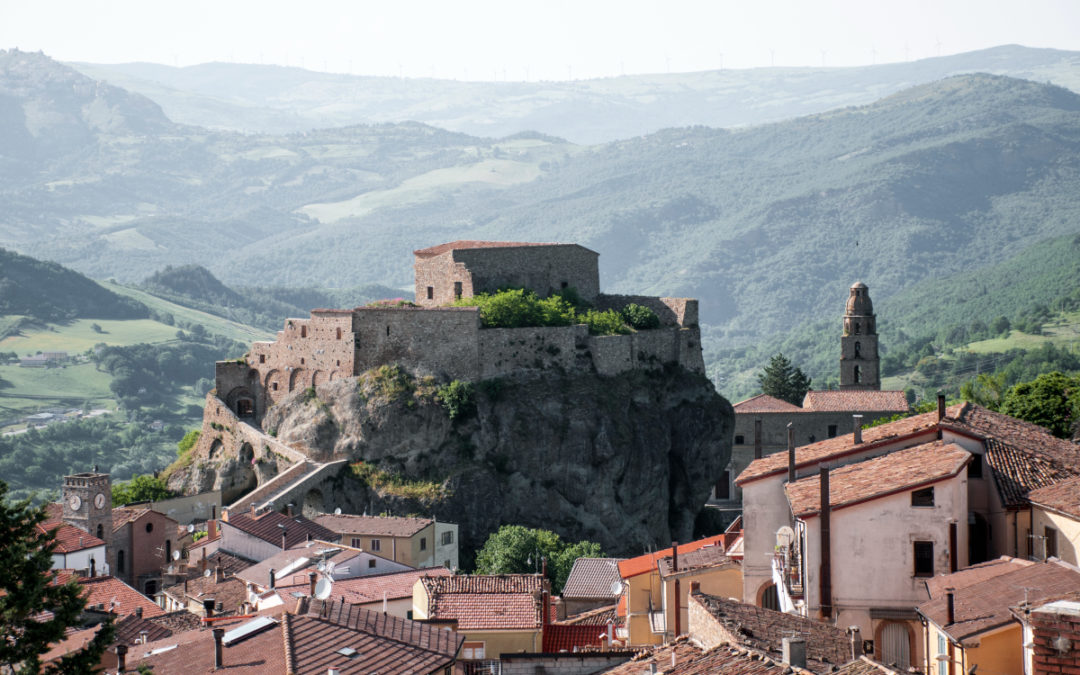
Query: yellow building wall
[[419, 601], [724, 583], [998, 652], [1068, 532], [505, 642], [402, 554], [640, 590]]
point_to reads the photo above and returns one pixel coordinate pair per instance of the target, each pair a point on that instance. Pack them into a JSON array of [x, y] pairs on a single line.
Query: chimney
[[219, 633], [790, 452], [940, 406], [288, 510], [284, 533], [794, 650], [857, 429], [950, 607], [271, 577], [185, 589], [253, 511], [138, 612], [219, 607], [219, 574], [543, 566], [757, 439], [309, 537], [121, 657], [208, 607], [856, 641], [675, 570], [695, 587], [144, 637], [826, 551], [211, 528]]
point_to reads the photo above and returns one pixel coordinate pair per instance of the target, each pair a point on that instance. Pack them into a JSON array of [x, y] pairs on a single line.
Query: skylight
[[348, 652], [247, 630]]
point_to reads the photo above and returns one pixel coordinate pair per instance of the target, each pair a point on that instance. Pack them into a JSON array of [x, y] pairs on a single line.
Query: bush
[[458, 399], [640, 317], [140, 489], [608, 322]]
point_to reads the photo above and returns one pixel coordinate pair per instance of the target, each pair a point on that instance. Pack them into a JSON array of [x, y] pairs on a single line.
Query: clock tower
[[87, 500]]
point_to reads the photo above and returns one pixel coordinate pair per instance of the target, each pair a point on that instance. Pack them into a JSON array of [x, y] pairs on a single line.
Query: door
[[896, 646]]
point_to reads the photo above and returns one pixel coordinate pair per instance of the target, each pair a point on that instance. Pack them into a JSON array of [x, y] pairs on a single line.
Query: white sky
[[517, 40]]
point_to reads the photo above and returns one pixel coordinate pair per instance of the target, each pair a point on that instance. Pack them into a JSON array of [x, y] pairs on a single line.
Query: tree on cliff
[[142, 488], [522, 550], [783, 380], [34, 610]]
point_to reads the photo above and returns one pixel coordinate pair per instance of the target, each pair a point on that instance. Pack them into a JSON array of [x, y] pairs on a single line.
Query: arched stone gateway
[[319, 377], [314, 504], [298, 379], [276, 384], [242, 402]]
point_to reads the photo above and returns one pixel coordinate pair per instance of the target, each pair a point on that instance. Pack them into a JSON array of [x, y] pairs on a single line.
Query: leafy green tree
[[640, 317], [986, 390], [515, 549], [457, 398], [34, 611], [146, 487], [1051, 400], [783, 380]]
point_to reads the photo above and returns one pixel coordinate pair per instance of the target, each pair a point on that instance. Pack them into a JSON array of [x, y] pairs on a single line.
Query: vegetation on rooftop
[[521, 308]]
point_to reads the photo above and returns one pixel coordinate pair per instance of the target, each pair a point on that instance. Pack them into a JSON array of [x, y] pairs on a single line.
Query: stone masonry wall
[[672, 311], [440, 273], [440, 341], [1048, 624], [613, 354], [508, 350]]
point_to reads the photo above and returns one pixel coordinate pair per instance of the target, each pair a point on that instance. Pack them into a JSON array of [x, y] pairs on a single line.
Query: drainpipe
[[757, 439], [826, 552], [121, 657], [675, 570]]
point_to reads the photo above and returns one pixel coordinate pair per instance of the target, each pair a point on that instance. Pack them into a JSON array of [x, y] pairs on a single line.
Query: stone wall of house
[[563, 664], [507, 350], [1052, 626]]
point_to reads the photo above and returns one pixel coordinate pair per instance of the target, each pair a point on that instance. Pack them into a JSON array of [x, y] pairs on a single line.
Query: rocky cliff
[[626, 461]]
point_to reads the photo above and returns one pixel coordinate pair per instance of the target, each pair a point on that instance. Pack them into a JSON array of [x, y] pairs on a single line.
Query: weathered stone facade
[[860, 365]]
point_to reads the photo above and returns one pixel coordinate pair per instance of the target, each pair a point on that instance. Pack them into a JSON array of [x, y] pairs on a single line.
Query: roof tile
[[382, 526], [265, 526], [646, 563], [469, 243], [481, 601], [592, 578], [763, 403], [855, 400], [1063, 496]]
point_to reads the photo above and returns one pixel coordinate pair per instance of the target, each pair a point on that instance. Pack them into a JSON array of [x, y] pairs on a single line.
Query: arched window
[[858, 375], [119, 562], [339, 333], [858, 349], [101, 532], [770, 599], [856, 327], [168, 549]]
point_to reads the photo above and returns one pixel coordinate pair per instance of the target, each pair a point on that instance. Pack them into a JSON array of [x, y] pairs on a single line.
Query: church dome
[[858, 303]]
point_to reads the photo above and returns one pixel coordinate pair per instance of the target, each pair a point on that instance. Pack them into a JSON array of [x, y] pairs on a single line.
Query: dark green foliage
[[188, 442], [50, 292], [784, 381], [146, 487], [918, 409], [1051, 400], [458, 399], [640, 317], [520, 308], [519, 550], [25, 576]]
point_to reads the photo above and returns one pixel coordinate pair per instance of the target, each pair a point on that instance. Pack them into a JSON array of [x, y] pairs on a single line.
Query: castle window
[[565, 285], [149, 528], [301, 360], [832, 431], [100, 532], [858, 375], [262, 358], [388, 331], [858, 349], [273, 385], [856, 327], [339, 333], [430, 292], [740, 440], [303, 331], [457, 290]]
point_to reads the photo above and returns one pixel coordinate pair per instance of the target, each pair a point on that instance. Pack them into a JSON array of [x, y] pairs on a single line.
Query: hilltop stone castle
[[432, 338]]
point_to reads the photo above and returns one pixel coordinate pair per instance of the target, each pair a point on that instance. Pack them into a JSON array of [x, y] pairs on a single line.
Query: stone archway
[[894, 643], [314, 504], [298, 379], [241, 478], [768, 597], [317, 378]]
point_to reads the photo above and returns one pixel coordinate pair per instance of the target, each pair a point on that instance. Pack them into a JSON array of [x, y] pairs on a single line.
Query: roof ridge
[[286, 636]]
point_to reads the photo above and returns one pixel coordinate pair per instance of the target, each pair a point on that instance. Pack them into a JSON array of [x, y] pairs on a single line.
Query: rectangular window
[[376, 545], [740, 440], [924, 558], [924, 497], [371, 563], [303, 331], [472, 650], [356, 543], [943, 650], [423, 543], [447, 538], [723, 486], [832, 431], [975, 469], [457, 290], [430, 292], [1051, 541], [262, 358]]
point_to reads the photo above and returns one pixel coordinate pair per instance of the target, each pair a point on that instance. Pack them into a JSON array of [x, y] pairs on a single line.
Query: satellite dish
[[207, 573], [321, 566], [785, 536], [253, 598], [330, 568], [191, 528], [337, 511], [616, 588], [176, 554], [323, 588]]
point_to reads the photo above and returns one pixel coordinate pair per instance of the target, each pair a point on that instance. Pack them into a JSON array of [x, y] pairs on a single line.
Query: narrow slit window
[[430, 292], [924, 558]]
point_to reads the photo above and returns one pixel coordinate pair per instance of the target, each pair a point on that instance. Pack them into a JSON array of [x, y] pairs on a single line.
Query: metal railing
[[482, 667]]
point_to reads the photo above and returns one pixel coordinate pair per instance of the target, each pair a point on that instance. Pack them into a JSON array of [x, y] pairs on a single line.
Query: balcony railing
[[482, 667]]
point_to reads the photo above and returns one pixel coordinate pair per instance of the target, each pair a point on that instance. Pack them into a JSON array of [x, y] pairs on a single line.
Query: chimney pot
[[940, 406], [121, 657], [288, 510], [857, 428], [695, 587], [856, 641], [794, 650], [311, 584], [208, 607], [271, 577], [211, 528], [138, 612], [219, 574], [950, 607], [219, 633]]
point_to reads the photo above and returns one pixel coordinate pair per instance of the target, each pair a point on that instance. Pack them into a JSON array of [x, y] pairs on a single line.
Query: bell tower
[[87, 500], [860, 366]]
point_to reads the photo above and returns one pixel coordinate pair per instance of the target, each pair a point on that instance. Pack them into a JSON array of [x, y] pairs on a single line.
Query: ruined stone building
[[761, 422]]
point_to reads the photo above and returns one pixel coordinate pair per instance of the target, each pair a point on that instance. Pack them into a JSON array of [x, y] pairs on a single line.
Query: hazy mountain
[[274, 99]]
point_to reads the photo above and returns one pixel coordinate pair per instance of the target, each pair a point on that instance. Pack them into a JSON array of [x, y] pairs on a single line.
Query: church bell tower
[[860, 366], [87, 499]]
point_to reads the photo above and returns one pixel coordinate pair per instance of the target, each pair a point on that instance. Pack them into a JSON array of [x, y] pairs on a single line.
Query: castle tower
[[87, 500], [859, 361]]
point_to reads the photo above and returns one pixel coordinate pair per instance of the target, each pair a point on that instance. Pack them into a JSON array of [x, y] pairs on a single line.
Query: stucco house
[[416, 542], [1055, 521]]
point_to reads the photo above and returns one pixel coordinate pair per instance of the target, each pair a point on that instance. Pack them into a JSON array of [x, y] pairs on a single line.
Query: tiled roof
[[831, 448], [231, 592], [763, 403], [265, 527], [129, 630], [594, 617], [380, 526], [864, 665], [230, 564], [688, 659], [179, 621], [1017, 472], [425, 636], [1063, 496], [70, 538], [110, 592], [647, 563], [464, 243], [259, 573], [123, 515], [703, 558], [975, 574], [366, 590], [193, 652], [877, 477], [1015, 432], [484, 602], [983, 606], [764, 629], [592, 578], [855, 400], [567, 638]]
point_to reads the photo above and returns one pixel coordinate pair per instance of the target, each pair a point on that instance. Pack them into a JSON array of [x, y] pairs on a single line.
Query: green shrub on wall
[[457, 398], [640, 317], [521, 308]]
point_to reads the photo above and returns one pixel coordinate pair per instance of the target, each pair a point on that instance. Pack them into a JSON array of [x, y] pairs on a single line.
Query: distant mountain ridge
[[274, 99]]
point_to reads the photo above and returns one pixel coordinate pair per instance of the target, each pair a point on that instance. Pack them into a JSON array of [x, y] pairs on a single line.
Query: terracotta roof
[[570, 637], [975, 574], [486, 602], [70, 538], [193, 652], [1018, 433], [592, 578], [265, 527], [465, 244], [647, 563], [110, 592], [763, 403], [259, 573], [230, 564], [366, 590], [855, 400], [1063, 496], [204, 541], [764, 630], [129, 630], [123, 515], [864, 665], [703, 558], [872, 478], [692, 660], [1018, 471], [179, 621], [593, 617], [231, 592], [425, 636], [815, 453], [381, 526], [983, 606]]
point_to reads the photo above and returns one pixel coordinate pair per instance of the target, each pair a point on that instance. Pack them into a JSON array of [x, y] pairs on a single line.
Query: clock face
[[99, 501], [75, 502]]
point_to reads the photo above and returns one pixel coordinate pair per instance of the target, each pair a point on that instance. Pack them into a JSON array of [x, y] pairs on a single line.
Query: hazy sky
[[518, 39]]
